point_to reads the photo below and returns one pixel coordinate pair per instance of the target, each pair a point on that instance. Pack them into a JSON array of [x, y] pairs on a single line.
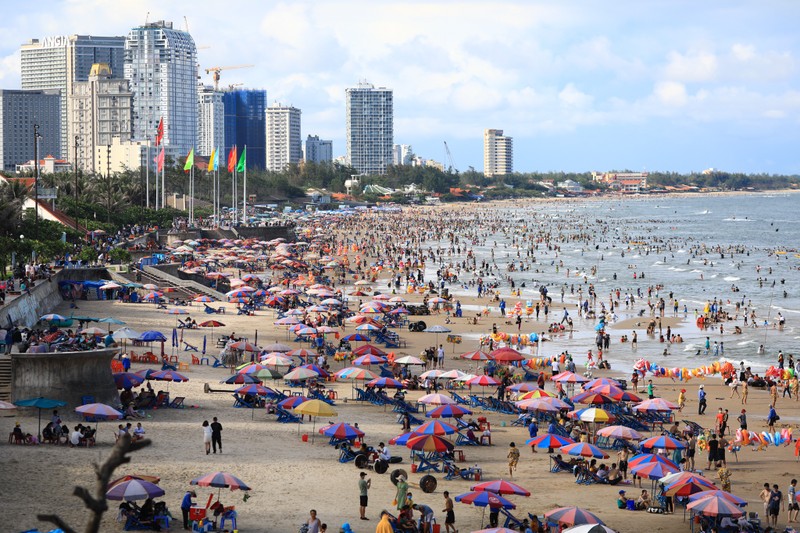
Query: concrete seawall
[[25, 309], [65, 376]]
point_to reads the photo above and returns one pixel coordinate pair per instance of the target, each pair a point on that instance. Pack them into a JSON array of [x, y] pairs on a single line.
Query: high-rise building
[[317, 150], [370, 128], [161, 66], [402, 154], [210, 120], [498, 153], [19, 112], [98, 111], [284, 144], [59, 62], [246, 124]]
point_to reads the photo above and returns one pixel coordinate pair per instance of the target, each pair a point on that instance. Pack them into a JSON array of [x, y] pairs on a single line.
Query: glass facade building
[[370, 128], [19, 111], [246, 124]]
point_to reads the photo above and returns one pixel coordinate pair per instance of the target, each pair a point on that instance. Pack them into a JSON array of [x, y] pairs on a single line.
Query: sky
[[668, 85]]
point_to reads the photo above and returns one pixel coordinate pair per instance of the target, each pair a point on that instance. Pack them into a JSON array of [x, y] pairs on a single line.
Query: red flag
[[159, 161], [232, 160], [160, 132]]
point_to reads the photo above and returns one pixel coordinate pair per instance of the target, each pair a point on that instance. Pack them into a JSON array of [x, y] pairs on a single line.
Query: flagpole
[[244, 189], [147, 175], [164, 182]]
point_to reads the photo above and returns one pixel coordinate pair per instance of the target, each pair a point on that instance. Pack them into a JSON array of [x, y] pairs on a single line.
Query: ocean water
[[699, 248]]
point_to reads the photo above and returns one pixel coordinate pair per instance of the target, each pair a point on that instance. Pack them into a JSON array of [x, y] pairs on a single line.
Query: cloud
[[691, 67], [571, 96], [671, 93]]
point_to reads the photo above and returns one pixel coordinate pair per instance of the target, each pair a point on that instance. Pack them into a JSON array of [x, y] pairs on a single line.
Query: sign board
[[57, 41]]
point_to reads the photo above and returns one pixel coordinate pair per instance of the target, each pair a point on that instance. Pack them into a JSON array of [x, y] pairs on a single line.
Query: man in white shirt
[[75, 437], [556, 367], [383, 452]]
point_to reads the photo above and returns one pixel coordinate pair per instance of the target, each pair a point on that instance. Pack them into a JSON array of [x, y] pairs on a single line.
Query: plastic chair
[[230, 517]]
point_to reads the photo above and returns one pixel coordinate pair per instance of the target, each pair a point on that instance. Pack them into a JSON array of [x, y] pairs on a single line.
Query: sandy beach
[[290, 476]]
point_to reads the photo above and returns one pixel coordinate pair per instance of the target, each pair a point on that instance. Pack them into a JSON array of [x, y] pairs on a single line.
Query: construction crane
[[451, 165], [216, 71]]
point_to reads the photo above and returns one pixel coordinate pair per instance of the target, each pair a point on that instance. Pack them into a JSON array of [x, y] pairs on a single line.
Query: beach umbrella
[[112, 320], [368, 349], [146, 373], [6, 406], [353, 372], [650, 458], [245, 346], [152, 336], [141, 477], [591, 414], [286, 321], [431, 374], [150, 287], [663, 442], [169, 375], [572, 516], [367, 327], [267, 373], [355, 337], [653, 470], [127, 380], [717, 506], [276, 359], [314, 408], [591, 397], [436, 427], [538, 393], [612, 391], [248, 368], [177, 311], [322, 372], [409, 360], [484, 381], [99, 410], [203, 299], [506, 355], [600, 381], [402, 440], [52, 317], [537, 404], [619, 432], [524, 387], [724, 494], [485, 499], [688, 486], [242, 379], [386, 383], [656, 404], [277, 347], [589, 528], [549, 441], [40, 403], [436, 329], [255, 389], [476, 355], [369, 359], [125, 334], [569, 377], [301, 353], [292, 401], [429, 443], [436, 399], [584, 449], [301, 374], [134, 489], [342, 431], [220, 480], [211, 324], [93, 332], [501, 487], [448, 411], [304, 331], [456, 375]]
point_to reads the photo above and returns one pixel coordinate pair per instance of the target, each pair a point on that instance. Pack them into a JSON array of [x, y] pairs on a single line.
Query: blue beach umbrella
[[40, 403]]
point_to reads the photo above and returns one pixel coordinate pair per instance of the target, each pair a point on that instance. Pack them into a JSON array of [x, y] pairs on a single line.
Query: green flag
[[189, 161], [242, 160]]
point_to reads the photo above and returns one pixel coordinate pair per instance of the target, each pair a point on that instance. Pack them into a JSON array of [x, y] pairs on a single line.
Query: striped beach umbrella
[[220, 480], [99, 410], [656, 404], [501, 487], [538, 393], [448, 411], [255, 389], [569, 377], [663, 442], [169, 375], [591, 414], [572, 516], [619, 432], [649, 458], [484, 381], [600, 381], [386, 383], [549, 440], [249, 368], [436, 399], [369, 359], [653, 470], [292, 401], [485, 499], [537, 405], [353, 372], [506, 355], [727, 495], [429, 443], [245, 346], [717, 506], [242, 379], [477, 355], [127, 380], [590, 397], [300, 374], [134, 489], [436, 427], [342, 431], [584, 449]]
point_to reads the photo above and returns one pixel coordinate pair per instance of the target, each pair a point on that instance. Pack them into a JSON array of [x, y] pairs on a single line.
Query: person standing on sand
[[186, 505], [363, 495], [701, 397], [450, 515], [313, 522], [216, 435], [681, 400], [400, 495], [745, 389], [513, 458], [634, 340], [207, 436]]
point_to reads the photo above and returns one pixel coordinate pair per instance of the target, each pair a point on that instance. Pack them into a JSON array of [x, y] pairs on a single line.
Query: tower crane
[[451, 164], [216, 71]]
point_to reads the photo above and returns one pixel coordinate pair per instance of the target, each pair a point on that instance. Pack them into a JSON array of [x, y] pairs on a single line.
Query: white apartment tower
[[402, 154], [98, 111], [161, 65], [284, 144], [59, 62], [370, 128], [318, 150], [498, 153], [210, 121]]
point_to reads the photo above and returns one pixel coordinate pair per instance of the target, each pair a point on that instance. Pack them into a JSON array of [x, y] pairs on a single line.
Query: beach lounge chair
[[238, 401], [317, 395], [162, 400], [177, 403], [459, 399], [511, 520], [452, 471], [559, 465], [189, 348], [463, 439], [426, 463], [346, 454], [211, 311], [217, 363], [285, 417]]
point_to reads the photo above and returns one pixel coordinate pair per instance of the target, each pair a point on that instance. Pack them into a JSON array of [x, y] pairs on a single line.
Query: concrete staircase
[[5, 378]]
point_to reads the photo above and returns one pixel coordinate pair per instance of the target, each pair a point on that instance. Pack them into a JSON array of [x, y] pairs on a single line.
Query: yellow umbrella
[[315, 408]]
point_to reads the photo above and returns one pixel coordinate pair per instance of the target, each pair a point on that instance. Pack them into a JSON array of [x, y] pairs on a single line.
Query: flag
[[211, 160], [232, 160], [189, 161], [160, 132], [216, 161], [159, 160], [242, 160]]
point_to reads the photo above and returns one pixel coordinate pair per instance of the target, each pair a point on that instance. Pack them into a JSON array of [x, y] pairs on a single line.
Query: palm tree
[[12, 197]]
